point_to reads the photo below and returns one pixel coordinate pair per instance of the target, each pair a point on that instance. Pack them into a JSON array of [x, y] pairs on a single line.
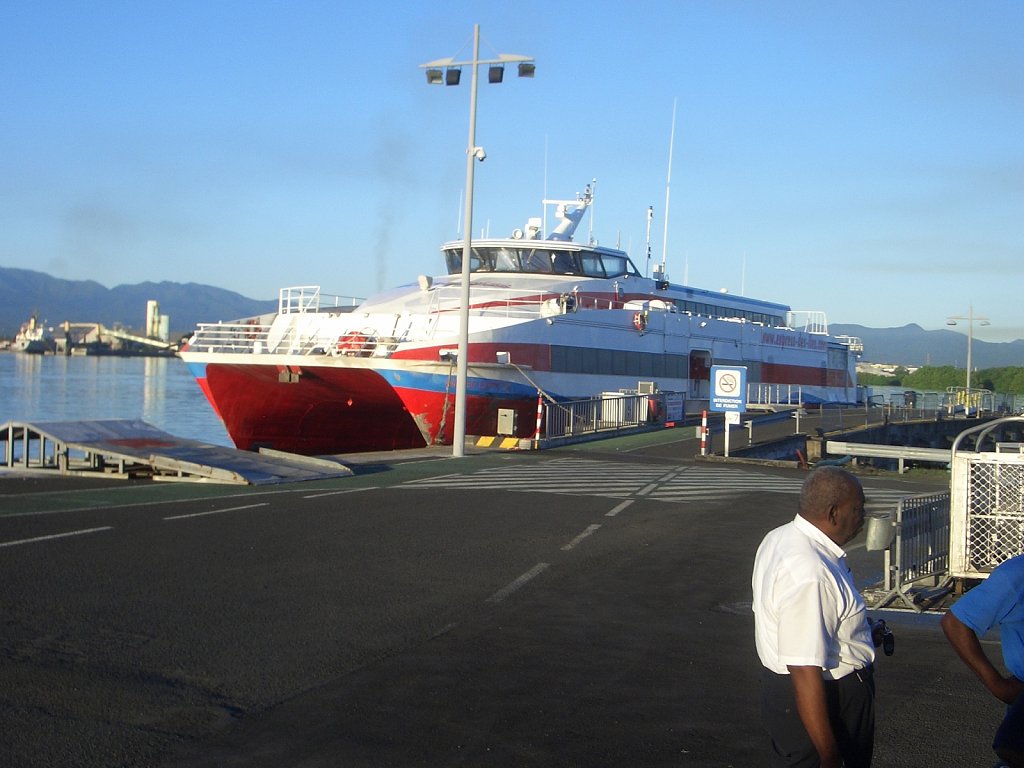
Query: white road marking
[[126, 505], [587, 532], [55, 536], [215, 511], [338, 493], [618, 508], [508, 589]]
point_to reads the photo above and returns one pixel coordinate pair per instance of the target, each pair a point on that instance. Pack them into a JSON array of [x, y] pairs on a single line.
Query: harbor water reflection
[[158, 390]]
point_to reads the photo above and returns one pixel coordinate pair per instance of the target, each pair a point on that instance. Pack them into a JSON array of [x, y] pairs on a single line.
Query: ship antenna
[[591, 189], [544, 212], [650, 217], [668, 183]]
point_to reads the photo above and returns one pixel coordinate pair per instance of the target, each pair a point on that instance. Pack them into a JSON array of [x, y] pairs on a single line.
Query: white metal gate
[[986, 506]]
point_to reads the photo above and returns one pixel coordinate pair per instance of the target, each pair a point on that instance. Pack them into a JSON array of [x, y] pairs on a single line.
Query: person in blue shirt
[[996, 601]]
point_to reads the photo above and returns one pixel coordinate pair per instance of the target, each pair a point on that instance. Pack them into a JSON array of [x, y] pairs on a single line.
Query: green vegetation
[[1008, 381], [877, 380]]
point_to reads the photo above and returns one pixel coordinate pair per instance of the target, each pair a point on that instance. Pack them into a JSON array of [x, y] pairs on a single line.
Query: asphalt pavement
[[585, 606]]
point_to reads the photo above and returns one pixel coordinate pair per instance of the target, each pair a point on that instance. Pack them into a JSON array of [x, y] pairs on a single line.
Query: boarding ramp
[[125, 448]]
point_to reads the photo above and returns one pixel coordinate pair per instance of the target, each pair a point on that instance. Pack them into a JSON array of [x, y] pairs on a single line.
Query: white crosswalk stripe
[[622, 480]]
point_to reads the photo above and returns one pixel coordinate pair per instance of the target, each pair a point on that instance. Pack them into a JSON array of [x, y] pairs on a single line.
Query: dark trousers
[[851, 708], [1009, 740]]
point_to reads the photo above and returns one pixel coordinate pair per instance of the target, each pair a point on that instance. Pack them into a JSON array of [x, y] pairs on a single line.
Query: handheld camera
[[882, 636]]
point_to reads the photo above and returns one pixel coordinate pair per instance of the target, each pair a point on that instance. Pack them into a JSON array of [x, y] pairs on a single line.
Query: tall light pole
[[449, 72], [970, 318]]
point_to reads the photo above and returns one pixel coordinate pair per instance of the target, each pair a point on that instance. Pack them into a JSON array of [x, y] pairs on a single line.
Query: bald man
[[812, 632]]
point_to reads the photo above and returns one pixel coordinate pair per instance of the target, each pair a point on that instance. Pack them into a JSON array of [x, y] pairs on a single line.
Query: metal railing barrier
[[920, 550], [612, 411]]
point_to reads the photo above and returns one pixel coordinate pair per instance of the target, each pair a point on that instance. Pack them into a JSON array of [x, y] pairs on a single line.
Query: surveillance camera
[[479, 154]]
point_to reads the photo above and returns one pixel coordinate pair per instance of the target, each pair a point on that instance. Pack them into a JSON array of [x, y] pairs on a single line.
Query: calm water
[[157, 390]]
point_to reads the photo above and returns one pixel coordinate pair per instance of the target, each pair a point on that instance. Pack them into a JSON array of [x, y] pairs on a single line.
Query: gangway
[[126, 448]]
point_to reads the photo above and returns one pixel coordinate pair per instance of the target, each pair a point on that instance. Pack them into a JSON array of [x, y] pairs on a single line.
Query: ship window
[[537, 261], [563, 263], [592, 266], [453, 260], [614, 266], [574, 358], [506, 260], [617, 362]]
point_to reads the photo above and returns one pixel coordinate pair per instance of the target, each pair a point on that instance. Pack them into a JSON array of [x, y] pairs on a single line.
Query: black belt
[[861, 675]]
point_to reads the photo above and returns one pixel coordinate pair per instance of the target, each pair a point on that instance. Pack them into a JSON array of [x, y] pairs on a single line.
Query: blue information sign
[[728, 388]]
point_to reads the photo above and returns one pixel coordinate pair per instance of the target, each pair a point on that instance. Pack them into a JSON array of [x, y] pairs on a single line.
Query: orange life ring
[[351, 342], [356, 344], [640, 321]]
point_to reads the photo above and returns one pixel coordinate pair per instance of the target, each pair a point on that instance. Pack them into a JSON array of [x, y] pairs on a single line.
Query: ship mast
[[668, 186]]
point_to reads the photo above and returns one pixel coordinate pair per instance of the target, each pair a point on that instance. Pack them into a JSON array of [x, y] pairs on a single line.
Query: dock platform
[[126, 448]]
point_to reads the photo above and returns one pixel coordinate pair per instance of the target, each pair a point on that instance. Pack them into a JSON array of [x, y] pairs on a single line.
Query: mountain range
[[913, 346], [24, 293]]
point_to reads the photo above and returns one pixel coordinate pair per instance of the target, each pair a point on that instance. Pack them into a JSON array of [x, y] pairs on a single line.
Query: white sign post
[[729, 395]]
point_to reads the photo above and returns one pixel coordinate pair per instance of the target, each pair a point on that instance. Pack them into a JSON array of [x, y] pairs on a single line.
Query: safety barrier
[[920, 550], [613, 411], [988, 503], [901, 453]]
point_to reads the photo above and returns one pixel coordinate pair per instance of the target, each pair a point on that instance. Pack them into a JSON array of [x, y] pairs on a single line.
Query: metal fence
[[987, 502], [988, 511], [920, 550], [610, 412], [836, 418]]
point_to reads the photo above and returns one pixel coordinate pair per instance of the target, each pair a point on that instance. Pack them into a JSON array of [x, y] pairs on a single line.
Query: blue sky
[[865, 159]]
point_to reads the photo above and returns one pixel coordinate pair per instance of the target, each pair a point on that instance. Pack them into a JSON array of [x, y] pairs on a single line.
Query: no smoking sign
[[728, 388]]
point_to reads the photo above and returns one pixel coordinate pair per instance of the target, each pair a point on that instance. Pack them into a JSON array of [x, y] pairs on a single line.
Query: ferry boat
[[548, 315]]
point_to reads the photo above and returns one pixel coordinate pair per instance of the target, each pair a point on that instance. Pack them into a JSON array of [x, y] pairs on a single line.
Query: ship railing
[[510, 303], [854, 343], [808, 320], [240, 336], [610, 412], [960, 400], [253, 337], [309, 298], [775, 394]]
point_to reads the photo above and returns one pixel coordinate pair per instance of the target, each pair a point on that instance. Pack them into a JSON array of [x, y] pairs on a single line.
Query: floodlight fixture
[[527, 68], [495, 73], [452, 75], [435, 76]]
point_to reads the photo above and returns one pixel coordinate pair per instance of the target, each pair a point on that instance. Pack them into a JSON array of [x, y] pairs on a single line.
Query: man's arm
[[810, 704], [967, 646]]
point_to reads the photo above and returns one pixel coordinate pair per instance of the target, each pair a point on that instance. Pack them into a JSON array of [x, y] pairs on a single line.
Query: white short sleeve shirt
[[807, 610]]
